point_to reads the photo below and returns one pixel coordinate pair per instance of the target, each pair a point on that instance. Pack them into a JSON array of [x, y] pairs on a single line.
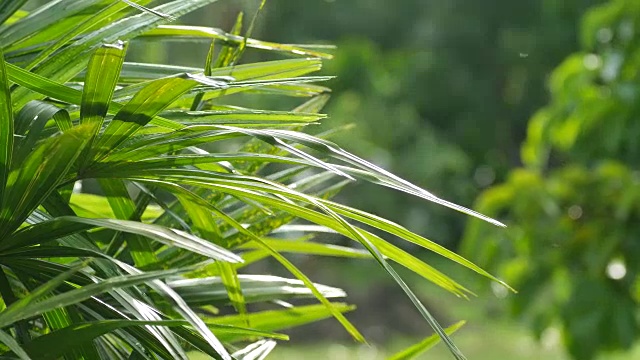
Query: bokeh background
[[525, 110]]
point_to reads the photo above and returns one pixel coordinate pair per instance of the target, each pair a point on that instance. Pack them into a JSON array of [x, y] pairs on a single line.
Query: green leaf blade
[[416, 350], [6, 127], [58, 343], [99, 83]]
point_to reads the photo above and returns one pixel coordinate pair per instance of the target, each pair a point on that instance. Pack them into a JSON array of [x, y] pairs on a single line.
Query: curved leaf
[[12, 344], [67, 225], [418, 349], [206, 33]]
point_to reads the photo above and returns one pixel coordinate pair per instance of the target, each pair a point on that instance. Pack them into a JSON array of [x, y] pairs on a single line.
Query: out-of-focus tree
[[440, 91], [573, 247]]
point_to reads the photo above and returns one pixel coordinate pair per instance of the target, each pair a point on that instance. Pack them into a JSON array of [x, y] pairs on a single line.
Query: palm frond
[[192, 188]]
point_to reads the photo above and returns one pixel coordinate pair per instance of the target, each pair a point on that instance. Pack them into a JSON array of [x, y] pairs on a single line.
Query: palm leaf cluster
[[192, 190]]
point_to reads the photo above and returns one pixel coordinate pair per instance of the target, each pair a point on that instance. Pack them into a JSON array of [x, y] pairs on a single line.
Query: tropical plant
[[573, 251], [191, 191]]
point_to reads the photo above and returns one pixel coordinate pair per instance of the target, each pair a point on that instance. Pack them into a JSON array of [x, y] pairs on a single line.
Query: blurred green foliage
[[440, 91], [572, 248]]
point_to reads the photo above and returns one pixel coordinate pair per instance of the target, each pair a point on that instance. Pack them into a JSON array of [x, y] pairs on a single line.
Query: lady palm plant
[[192, 190]]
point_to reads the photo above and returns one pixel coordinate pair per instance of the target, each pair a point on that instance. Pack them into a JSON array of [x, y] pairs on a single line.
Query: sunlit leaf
[[416, 350]]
